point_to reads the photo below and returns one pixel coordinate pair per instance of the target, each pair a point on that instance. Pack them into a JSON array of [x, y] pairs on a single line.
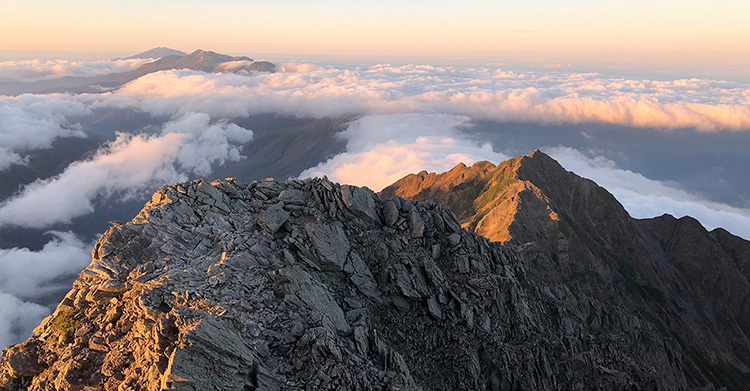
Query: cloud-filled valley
[[643, 197], [479, 93], [188, 144], [398, 120], [389, 147], [34, 70], [33, 277], [30, 122]]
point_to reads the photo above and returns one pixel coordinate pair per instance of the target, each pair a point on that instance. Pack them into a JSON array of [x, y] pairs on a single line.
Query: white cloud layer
[[18, 318], [643, 197], [409, 121], [425, 104], [304, 90], [188, 144], [381, 149], [30, 122], [29, 276], [479, 93], [33, 70]]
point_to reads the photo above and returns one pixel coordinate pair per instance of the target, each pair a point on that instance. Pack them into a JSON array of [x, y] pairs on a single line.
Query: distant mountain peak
[[685, 280], [167, 59], [157, 52], [207, 61]]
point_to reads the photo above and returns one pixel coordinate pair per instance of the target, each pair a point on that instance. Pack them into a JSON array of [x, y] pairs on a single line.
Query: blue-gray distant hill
[[199, 60], [155, 53]]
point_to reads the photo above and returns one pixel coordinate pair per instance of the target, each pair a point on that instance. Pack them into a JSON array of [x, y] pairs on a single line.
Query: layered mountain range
[[508, 277], [199, 60]]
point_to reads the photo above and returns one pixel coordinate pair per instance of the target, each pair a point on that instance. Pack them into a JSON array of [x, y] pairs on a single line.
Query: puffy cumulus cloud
[[201, 144], [33, 70], [480, 93], [288, 67], [30, 122], [383, 148], [18, 318], [292, 67], [643, 197], [230, 66], [188, 144], [29, 277], [302, 94]]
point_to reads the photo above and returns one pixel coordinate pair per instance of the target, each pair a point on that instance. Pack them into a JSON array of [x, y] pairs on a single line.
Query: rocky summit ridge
[[311, 285], [691, 284]]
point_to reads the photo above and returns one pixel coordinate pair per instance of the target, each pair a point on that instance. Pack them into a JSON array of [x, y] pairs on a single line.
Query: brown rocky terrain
[[309, 285], [691, 284]]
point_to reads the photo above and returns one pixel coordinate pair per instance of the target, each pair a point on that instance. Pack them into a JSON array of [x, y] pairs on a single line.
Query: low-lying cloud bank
[[430, 100], [189, 144], [479, 93], [31, 122], [34, 70], [643, 197], [18, 318], [28, 277], [408, 116], [382, 149], [409, 119]]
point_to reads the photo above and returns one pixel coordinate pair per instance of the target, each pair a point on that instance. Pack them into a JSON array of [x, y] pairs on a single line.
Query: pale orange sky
[[667, 32]]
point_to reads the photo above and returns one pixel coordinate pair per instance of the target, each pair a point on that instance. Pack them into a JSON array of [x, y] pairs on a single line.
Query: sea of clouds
[[407, 119], [35, 70], [28, 276], [190, 143]]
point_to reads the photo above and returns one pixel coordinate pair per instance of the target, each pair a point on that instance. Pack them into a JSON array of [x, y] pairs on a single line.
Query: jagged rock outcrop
[[309, 285], [689, 283]]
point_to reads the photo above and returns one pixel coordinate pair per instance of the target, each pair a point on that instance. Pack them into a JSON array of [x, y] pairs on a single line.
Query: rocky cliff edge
[[312, 285]]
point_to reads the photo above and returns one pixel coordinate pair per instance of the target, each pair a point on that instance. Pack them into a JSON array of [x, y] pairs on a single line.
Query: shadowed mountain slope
[[693, 285], [305, 285]]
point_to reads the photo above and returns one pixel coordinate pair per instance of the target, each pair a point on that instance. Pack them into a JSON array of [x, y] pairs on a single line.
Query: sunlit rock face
[[690, 284], [313, 285]]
